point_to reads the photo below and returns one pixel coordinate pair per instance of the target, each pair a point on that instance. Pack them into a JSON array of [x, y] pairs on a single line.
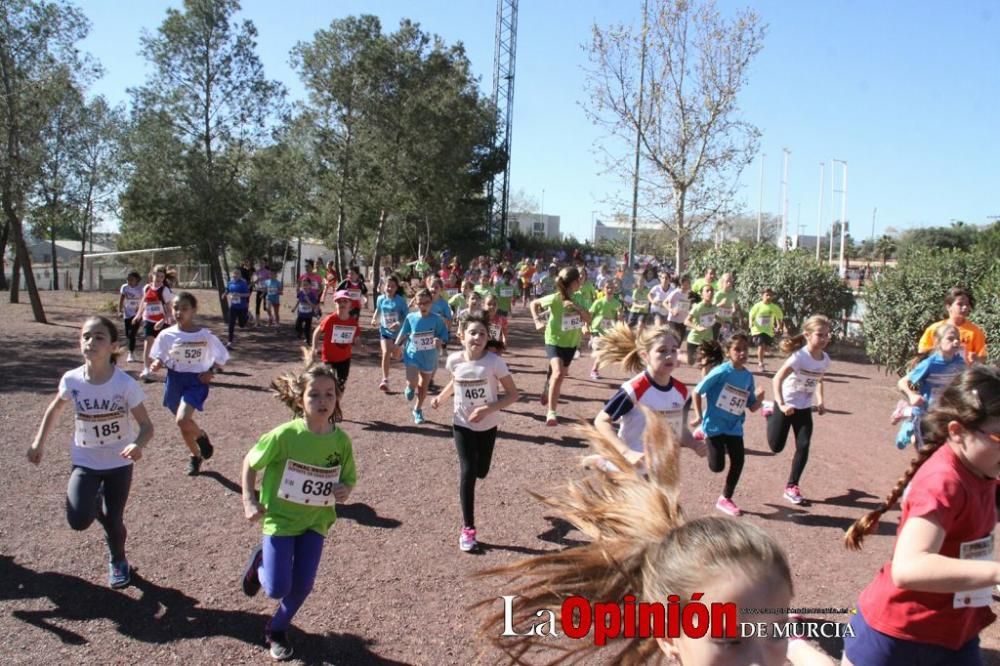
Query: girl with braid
[[928, 604]]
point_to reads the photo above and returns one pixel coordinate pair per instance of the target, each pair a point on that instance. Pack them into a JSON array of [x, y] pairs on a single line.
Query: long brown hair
[[796, 342], [640, 544], [621, 344], [566, 277], [972, 398], [291, 387]]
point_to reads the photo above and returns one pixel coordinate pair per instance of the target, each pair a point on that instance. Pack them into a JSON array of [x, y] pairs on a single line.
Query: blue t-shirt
[[239, 291], [728, 392], [390, 311], [441, 308], [934, 374], [420, 332], [273, 288], [307, 299]]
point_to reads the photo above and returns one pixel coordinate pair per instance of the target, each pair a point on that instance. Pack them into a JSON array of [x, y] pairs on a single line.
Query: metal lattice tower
[[503, 101]]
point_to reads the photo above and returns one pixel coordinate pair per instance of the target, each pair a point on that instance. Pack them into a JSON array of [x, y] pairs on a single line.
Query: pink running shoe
[[699, 434], [594, 374], [766, 408], [551, 419], [901, 412], [384, 386], [467, 539], [726, 505], [792, 494]]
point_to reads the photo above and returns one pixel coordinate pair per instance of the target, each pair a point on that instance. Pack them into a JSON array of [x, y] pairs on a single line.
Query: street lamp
[[843, 217]]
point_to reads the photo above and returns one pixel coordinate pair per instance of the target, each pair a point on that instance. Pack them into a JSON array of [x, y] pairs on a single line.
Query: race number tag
[[980, 549], [342, 335], [494, 332], [131, 304], [355, 294], [806, 382], [506, 292], [154, 309], [726, 311], [308, 484], [707, 321], [96, 430], [423, 341], [764, 321], [571, 322], [235, 299], [187, 355], [451, 292], [732, 400], [272, 290], [675, 418], [472, 394], [305, 308], [683, 306], [390, 319]]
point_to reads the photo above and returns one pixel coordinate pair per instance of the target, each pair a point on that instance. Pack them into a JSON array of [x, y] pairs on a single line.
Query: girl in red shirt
[[336, 335], [929, 603]]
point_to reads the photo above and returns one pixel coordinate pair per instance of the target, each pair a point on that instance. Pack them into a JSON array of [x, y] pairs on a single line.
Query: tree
[[884, 249], [37, 47], [204, 108], [692, 143]]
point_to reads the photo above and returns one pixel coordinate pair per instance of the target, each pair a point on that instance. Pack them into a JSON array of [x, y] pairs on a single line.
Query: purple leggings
[[288, 571]]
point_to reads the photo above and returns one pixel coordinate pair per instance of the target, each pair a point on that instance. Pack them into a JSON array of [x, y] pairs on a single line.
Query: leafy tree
[[693, 145], [884, 249], [959, 236]]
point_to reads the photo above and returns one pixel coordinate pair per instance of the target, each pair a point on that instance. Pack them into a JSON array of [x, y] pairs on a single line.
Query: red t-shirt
[[333, 327], [965, 504]]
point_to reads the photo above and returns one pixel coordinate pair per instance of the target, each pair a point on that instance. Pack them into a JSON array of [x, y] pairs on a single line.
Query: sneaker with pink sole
[[901, 412], [727, 506], [792, 494], [467, 539]]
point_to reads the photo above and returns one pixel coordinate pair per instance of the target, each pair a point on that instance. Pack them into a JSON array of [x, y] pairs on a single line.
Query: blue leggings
[[288, 571]]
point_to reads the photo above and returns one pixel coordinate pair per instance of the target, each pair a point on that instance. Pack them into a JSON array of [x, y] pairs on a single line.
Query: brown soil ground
[[393, 586]]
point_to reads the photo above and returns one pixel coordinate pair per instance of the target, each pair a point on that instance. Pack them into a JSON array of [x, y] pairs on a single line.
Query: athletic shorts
[[186, 386], [150, 328], [564, 354], [502, 316], [762, 340], [871, 647], [421, 361]]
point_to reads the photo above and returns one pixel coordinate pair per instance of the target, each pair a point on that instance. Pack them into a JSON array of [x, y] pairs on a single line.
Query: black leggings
[[260, 299], [240, 315], [343, 369], [130, 333], [718, 446], [304, 327], [801, 422], [83, 505], [475, 453]]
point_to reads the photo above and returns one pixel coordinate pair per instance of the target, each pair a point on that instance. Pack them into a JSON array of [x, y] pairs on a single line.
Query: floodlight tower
[[503, 102]]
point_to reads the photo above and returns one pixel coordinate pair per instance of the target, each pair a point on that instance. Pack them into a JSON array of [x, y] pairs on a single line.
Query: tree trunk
[[15, 278], [55, 260], [216, 269], [24, 259], [680, 228], [3, 255], [377, 251]]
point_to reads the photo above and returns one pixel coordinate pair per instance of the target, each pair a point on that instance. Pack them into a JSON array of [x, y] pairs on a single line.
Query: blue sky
[[907, 92]]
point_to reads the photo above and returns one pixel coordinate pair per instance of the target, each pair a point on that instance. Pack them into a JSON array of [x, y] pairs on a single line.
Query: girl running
[[700, 323], [475, 302], [477, 374], [306, 307], [798, 389], [766, 321], [308, 467], [238, 293], [928, 379], [729, 391], [658, 299], [274, 289], [494, 330], [192, 356], [642, 549], [390, 311], [335, 337], [154, 312], [424, 333], [129, 300], [639, 310], [604, 314], [725, 308], [929, 603], [505, 301], [679, 305], [562, 334], [104, 443], [357, 288], [260, 278], [330, 281]]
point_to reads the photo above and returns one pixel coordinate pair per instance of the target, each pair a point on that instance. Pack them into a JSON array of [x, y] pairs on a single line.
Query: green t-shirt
[[700, 283], [503, 301], [605, 312], [725, 304], [294, 442], [456, 302], [547, 285], [484, 291], [640, 299], [554, 331], [702, 314], [589, 293], [764, 317]]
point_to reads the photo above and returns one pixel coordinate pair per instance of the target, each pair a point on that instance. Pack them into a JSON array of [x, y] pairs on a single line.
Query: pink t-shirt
[[965, 504]]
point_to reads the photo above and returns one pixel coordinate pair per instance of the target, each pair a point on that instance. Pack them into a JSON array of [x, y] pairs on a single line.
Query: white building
[[617, 229], [800, 242], [534, 224]]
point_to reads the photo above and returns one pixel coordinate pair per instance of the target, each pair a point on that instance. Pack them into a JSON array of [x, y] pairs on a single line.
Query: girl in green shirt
[[604, 311], [700, 323]]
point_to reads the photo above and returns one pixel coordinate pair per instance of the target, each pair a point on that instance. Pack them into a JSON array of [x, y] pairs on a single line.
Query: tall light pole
[[843, 217], [784, 201], [819, 210], [638, 142], [760, 200], [593, 225]]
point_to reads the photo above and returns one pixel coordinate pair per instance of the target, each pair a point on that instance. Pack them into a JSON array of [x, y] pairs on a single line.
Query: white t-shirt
[[799, 386], [476, 383], [678, 298], [182, 351], [133, 298], [102, 427], [659, 294]]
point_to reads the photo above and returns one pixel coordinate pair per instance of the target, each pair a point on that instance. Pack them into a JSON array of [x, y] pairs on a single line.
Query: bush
[[908, 298], [801, 286]]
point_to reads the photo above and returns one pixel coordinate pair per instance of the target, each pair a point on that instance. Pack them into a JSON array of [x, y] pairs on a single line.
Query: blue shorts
[[184, 386], [870, 647], [422, 360]]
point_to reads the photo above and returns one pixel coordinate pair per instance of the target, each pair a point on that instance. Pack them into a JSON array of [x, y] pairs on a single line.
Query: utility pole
[[638, 140], [784, 201], [874, 212], [760, 200], [843, 219], [819, 210]]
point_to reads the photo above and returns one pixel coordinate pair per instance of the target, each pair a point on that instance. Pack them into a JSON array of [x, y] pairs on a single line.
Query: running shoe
[[408, 393], [146, 375], [901, 412], [576, 356], [766, 408], [418, 416], [384, 386], [467, 539], [251, 579], [551, 419], [277, 641], [132, 358], [205, 446], [194, 465], [792, 494], [726, 505], [543, 398], [229, 345], [594, 374], [119, 574]]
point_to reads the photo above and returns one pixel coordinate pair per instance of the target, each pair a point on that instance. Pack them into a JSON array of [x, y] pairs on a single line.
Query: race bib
[[451, 292], [675, 418], [472, 394], [572, 322], [726, 311], [980, 549], [305, 308], [186, 356], [494, 332], [97, 430], [154, 310], [732, 400], [506, 292], [131, 304], [805, 384], [342, 335], [683, 307], [308, 484], [423, 341], [708, 321], [272, 291], [764, 321], [235, 299], [355, 294], [389, 319]]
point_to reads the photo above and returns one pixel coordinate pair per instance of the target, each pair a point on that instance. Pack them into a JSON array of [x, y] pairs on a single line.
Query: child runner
[[128, 306], [357, 288], [477, 374], [798, 387], [485, 286], [274, 289], [562, 334], [604, 312], [766, 321], [260, 278], [192, 356], [929, 603], [104, 443], [588, 293], [729, 390], [639, 310], [928, 379], [475, 305], [700, 323], [458, 301], [659, 304], [330, 281], [154, 312], [679, 305], [547, 281], [238, 293], [308, 466], [505, 301], [725, 308], [494, 330], [306, 306], [390, 311], [335, 337], [642, 549], [424, 332]]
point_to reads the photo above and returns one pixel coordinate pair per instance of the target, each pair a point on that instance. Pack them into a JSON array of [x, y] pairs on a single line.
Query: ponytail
[[566, 277], [621, 344], [796, 342]]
